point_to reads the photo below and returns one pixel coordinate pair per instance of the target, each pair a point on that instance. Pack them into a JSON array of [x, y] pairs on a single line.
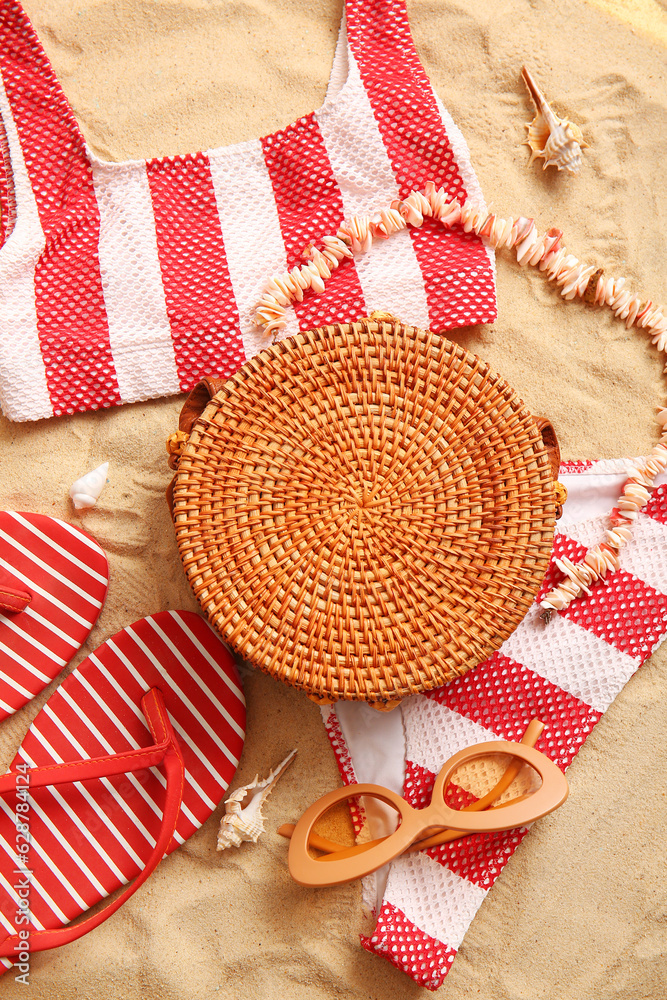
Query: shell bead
[[574, 279]]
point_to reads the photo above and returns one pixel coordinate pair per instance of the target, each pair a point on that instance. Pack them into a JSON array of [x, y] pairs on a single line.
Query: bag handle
[[192, 409]]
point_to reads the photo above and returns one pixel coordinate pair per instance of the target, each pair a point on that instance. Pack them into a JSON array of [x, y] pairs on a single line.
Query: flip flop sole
[[67, 575], [87, 839]]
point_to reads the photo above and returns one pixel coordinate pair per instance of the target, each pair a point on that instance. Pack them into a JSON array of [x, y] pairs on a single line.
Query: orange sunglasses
[[436, 824]]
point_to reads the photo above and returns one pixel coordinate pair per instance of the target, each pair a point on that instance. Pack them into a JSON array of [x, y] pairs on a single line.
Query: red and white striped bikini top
[[125, 281]]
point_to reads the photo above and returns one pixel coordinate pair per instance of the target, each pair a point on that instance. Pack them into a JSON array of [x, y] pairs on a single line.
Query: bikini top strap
[[41, 134], [411, 121], [379, 34]]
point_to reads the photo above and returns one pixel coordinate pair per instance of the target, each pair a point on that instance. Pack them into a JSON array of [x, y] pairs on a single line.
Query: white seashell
[[245, 822], [85, 491], [556, 140]]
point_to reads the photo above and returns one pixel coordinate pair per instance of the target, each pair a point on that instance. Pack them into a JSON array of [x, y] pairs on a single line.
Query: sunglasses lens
[[501, 773], [366, 817]]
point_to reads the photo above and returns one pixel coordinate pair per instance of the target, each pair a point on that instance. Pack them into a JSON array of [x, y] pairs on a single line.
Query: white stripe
[[9, 680], [389, 273], [7, 622], [177, 727], [94, 843], [6, 708], [435, 899], [60, 550], [646, 555], [569, 656], [12, 891], [82, 537], [89, 798], [81, 715], [184, 698], [150, 801], [49, 597], [589, 531], [47, 568], [139, 330], [50, 864], [195, 677], [250, 226], [434, 733], [163, 781], [231, 684], [74, 643], [20, 353], [61, 837], [35, 883], [66, 732]]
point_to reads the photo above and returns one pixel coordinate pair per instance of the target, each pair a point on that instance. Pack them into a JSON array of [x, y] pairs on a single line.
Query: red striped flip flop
[[129, 756], [53, 581]]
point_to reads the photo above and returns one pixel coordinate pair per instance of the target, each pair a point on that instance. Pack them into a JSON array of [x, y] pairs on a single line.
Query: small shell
[[556, 140], [86, 490], [245, 822]]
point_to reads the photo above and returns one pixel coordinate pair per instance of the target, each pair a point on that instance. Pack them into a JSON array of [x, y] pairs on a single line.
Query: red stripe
[[199, 296], [211, 676], [345, 766], [7, 195], [422, 957], [575, 466], [61, 587], [657, 505], [503, 696], [563, 546], [76, 542], [457, 273], [40, 633], [624, 611], [45, 876], [480, 858], [418, 788], [71, 316], [310, 206]]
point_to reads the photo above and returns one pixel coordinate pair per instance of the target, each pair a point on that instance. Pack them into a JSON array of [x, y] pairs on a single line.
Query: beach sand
[[580, 911]]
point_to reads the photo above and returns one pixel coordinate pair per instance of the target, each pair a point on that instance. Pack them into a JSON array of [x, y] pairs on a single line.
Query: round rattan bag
[[364, 511]]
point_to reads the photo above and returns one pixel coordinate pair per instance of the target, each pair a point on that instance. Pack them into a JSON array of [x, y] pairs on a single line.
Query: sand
[[580, 910]]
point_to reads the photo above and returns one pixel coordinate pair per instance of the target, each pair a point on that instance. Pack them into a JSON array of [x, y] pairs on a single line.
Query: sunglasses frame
[[417, 823]]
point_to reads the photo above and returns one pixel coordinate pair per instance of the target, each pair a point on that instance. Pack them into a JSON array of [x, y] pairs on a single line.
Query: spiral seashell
[[245, 822], [555, 140], [85, 492]]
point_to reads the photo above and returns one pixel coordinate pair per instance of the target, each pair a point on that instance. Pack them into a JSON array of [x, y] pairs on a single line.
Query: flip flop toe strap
[[165, 751], [13, 597]]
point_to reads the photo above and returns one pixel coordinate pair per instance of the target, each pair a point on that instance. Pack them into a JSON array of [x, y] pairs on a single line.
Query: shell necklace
[[574, 279]]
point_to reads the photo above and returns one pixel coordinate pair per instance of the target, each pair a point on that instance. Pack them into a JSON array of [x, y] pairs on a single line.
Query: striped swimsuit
[[125, 281]]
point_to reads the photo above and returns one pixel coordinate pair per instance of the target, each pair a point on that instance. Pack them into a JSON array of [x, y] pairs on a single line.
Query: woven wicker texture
[[365, 511]]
